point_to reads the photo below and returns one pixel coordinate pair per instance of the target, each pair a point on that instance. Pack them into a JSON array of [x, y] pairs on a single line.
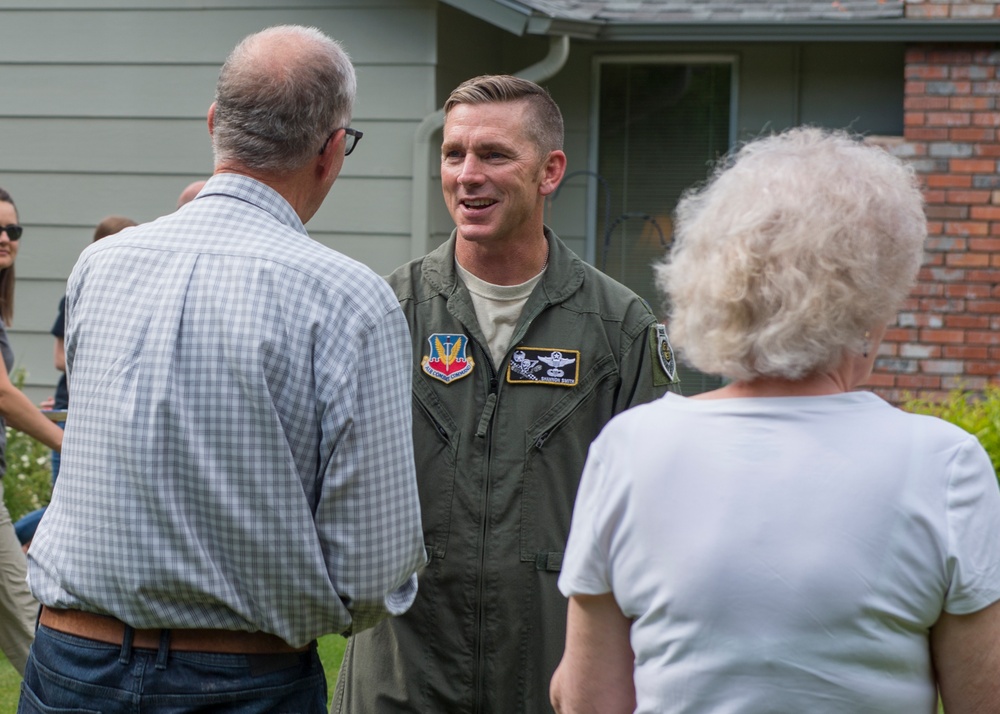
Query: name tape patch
[[544, 365]]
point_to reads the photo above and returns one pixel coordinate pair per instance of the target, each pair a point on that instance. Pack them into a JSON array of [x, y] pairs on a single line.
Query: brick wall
[[954, 9], [948, 333]]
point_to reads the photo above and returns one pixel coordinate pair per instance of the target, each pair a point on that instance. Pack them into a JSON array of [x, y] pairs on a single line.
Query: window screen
[[661, 127]]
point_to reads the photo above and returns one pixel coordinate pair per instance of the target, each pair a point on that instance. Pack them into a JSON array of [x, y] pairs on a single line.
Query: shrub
[[976, 412], [27, 486]]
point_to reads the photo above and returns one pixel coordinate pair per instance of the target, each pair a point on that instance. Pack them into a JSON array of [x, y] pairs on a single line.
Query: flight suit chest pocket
[[435, 447], [555, 450]]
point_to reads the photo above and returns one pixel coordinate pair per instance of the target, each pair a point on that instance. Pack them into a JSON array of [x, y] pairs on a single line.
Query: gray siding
[[106, 101], [104, 113]]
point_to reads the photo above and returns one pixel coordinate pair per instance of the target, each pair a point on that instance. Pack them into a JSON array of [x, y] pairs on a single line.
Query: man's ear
[[331, 159], [553, 171], [211, 120]]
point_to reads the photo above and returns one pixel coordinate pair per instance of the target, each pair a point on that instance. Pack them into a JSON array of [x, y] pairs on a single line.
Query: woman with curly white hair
[[785, 543]]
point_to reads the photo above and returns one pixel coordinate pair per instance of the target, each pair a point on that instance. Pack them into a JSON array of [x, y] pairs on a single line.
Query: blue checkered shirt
[[238, 454]]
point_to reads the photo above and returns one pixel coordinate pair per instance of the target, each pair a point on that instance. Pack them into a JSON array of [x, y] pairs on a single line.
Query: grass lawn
[[331, 651], [10, 683]]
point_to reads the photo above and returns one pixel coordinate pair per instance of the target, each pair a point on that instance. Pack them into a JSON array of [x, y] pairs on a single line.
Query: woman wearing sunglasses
[[18, 609]]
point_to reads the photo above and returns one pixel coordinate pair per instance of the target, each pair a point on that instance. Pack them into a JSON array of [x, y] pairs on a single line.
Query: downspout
[[419, 213]]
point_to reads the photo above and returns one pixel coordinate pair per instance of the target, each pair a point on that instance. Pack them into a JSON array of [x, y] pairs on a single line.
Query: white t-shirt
[[785, 554], [498, 308]]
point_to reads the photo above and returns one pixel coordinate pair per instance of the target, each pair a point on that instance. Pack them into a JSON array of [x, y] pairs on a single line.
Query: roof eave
[[577, 29], [510, 16], [519, 19], [816, 31]]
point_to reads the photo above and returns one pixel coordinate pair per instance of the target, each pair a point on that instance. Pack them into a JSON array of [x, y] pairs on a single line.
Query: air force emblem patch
[[448, 359], [537, 365]]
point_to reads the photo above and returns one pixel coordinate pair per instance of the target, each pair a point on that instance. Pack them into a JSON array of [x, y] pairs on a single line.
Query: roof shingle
[[675, 11]]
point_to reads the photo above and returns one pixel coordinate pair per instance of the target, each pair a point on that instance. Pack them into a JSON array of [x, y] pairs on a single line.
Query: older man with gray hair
[[237, 480]]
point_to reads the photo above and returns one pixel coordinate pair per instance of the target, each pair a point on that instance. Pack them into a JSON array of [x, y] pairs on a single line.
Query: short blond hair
[[799, 244], [545, 126]]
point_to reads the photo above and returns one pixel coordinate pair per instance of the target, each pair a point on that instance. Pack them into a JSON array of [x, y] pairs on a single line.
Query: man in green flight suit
[[521, 353]]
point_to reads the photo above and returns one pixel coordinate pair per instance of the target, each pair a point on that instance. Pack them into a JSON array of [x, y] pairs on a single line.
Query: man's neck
[[294, 187], [503, 264]]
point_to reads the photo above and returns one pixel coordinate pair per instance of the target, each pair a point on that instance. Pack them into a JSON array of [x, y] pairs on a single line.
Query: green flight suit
[[499, 453]]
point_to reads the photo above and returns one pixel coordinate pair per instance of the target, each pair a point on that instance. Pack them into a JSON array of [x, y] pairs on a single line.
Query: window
[[661, 124]]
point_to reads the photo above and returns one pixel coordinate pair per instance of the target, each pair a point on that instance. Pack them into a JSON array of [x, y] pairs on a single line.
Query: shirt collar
[[256, 193]]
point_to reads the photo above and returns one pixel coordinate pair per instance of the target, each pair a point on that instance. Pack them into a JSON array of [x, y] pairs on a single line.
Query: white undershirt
[[498, 308]]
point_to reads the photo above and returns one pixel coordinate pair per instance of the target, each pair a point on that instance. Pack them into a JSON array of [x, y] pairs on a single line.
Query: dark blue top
[[59, 330]]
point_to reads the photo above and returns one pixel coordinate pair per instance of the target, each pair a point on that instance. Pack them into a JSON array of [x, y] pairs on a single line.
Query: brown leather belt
[[109, 630]]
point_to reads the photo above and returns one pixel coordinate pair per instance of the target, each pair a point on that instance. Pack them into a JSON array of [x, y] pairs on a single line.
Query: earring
[[866, 346]]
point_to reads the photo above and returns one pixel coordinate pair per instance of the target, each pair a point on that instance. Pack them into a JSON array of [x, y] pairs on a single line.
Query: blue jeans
[[72, 675], [27, 525]]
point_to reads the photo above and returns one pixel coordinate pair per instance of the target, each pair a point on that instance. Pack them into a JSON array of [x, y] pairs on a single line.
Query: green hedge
[[27, 486], [28, 483], [976, 412]]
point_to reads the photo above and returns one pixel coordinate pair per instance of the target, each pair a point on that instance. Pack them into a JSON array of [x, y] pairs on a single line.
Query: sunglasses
[[13, 231]]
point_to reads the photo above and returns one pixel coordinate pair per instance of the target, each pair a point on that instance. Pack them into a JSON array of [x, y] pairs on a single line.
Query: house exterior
[[106, 100], [104, 112]]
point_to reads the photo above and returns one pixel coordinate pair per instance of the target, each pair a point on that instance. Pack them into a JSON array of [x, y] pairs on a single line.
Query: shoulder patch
[[664, 360], [448, 359], [544, 365]]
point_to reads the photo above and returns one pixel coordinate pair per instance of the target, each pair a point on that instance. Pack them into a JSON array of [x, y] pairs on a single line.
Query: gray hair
[[799, 244], [280, 94], [546, 125]]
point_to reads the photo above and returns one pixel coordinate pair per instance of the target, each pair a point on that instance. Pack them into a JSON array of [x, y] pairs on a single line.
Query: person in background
[[26, 526], [18, 609], [521, 352], [238, 477], [189, 192], [787, 542]]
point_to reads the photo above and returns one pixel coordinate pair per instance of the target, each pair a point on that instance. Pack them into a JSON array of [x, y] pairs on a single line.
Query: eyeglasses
[[13, 231], [355, 137]]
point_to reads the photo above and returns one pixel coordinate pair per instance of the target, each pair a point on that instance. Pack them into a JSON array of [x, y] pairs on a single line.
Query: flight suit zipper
[[484, 431]]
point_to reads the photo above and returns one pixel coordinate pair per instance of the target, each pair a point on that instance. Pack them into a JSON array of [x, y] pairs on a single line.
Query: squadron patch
[[447, 360], [543, 365], [664, 353]]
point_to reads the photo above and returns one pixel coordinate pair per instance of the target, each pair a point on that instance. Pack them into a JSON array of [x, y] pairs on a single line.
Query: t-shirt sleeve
[[973, 531], [59, 326], [586, 563]]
